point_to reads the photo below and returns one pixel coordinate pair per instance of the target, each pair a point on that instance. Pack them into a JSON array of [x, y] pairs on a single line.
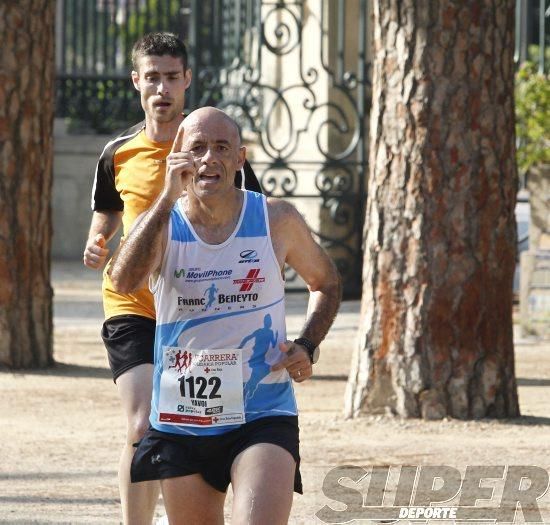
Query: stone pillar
[[535, 263], [75, 158], [309, 106]]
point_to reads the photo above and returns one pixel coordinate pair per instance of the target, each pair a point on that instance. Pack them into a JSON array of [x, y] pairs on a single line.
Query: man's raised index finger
[[178, 141]]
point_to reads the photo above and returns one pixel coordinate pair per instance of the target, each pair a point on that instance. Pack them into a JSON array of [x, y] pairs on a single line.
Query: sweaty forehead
[[216, 129]]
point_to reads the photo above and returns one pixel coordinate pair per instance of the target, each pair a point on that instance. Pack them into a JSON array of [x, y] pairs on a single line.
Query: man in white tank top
[[223, 408]]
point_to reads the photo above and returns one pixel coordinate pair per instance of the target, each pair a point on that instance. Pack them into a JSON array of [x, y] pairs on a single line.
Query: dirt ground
[[61, 430]]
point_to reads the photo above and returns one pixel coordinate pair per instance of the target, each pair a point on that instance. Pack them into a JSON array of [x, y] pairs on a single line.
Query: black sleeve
[[104, 193], [250, 180]]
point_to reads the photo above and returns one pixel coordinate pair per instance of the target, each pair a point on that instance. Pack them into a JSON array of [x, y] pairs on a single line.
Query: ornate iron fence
[[532, 37], [94, 40], [293, 73]]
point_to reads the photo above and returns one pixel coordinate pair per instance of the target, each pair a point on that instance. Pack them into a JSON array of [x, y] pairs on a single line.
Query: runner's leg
[[262, 477], [190, 500], [138, 499]]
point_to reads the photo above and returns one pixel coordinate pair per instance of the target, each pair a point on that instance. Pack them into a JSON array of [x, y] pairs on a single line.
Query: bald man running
[[217, 420]]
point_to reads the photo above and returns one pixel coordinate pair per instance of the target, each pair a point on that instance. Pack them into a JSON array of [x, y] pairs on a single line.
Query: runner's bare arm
[[102, 229], [294, 245], [141, 253]]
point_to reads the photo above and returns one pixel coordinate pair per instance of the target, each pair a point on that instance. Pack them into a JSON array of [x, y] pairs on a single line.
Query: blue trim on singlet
[[178, 327], [254, 208], [180, 229], [265, 392]]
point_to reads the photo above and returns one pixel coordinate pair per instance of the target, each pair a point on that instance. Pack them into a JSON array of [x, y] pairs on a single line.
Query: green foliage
[[532, 96], [99, 105], [152, 15], [533, 54]]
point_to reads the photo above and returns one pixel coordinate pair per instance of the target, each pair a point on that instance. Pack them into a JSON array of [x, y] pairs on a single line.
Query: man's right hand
[[95, 253], [180, 168]]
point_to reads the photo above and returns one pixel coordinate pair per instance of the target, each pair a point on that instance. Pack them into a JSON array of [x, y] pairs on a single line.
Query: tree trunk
[[26, 155], [435, 337]]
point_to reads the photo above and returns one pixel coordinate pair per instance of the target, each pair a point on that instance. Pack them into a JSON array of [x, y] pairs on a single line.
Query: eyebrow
[[203, 141], [157, 72]]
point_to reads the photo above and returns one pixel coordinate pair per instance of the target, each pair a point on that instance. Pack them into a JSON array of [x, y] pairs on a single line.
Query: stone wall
[[75, 158], [535, 263]]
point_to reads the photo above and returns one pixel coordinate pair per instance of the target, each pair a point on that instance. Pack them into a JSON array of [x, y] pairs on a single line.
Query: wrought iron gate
[[292, 73]]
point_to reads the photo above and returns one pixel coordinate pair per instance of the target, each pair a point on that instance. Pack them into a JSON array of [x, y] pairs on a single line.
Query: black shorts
[[160, 455], [130, 341]]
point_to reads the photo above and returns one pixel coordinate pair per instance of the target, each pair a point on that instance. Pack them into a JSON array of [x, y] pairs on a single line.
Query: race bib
[[201, 387]]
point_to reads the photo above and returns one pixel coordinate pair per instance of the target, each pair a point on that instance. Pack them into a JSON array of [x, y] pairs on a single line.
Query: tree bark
[[435, 337], [26, 156]]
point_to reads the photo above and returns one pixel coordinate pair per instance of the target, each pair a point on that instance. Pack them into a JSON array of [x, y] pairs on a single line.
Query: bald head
[[213, 141], [213, 118]]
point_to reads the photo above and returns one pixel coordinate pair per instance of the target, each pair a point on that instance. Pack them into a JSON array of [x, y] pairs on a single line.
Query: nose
[[209, 156], [162, 88]]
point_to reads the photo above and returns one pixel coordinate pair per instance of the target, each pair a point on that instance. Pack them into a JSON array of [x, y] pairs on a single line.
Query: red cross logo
[[207, 370], [249, 280]]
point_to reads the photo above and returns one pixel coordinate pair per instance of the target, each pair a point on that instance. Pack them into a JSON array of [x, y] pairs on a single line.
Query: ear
[[188, 76], [135, 79], [242, 157]]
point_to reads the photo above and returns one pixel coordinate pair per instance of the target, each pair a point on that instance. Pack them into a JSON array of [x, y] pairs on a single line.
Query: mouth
[[208, 177], [162, 104]]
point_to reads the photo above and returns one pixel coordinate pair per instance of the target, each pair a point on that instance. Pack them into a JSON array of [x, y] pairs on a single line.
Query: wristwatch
[[312, 349]]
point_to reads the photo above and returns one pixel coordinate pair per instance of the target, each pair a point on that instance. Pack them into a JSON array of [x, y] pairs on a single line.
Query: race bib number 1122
[[201, 387]]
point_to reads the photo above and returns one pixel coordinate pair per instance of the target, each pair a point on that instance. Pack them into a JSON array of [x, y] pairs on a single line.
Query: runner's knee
[[137, 426]]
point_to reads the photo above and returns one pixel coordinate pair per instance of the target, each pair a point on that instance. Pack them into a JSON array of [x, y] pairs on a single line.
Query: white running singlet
[[220, 318]]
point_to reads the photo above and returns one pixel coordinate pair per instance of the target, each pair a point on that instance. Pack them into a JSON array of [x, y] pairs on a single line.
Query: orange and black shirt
[[129, 177]]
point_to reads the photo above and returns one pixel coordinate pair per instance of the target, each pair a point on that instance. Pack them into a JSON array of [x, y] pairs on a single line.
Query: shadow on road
[[36, 475], [64, 370], [528, 381], [527, 421]]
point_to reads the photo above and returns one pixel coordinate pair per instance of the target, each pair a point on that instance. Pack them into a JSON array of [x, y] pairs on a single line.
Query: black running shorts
[[160, 455], [129, 340]]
